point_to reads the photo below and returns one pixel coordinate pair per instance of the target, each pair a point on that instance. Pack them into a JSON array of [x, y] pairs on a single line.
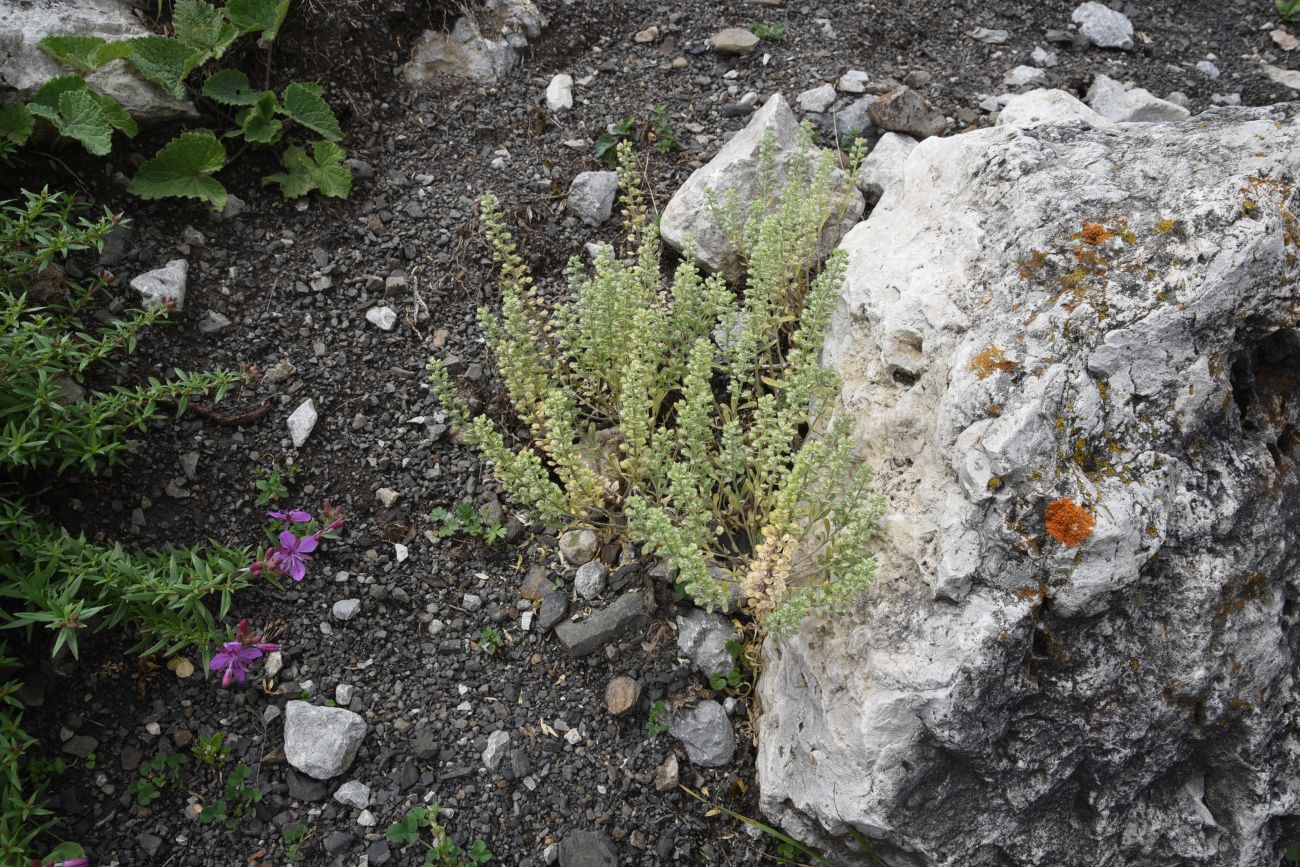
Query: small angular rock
[[165, 285], [1103, 26], [706, 733], [621, 695], [591, 196], [735, 40], [354, 794], [559, 93], [605, 624], [321, 741], [301, 422], [906, 111], [578, 546], [590, 580]]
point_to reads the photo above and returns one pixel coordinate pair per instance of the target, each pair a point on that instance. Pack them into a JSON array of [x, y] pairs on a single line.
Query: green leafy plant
[[679, 414], [157, 775], [768, 32], [22, 816], [665, 137], [733, 679], [656, 723], [184, 168], [240, 801], [212, 750], [1292, 853], [273, 484], [491, 641], [607, 142], [421, 825], [293, 837], [1290, 12], [464, 519]]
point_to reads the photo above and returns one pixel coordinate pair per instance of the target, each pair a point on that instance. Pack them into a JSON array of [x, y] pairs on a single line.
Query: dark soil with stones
[[295, 281]]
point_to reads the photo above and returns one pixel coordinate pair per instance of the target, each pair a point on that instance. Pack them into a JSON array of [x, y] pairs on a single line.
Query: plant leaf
[[163, 61], [48, 95], [16, 123], [251, 16], [76, 51], [182, 168], [305, 104], [230, 87], [115, 114], [258, 122], [80, 117], [201, 28], [324, 170]]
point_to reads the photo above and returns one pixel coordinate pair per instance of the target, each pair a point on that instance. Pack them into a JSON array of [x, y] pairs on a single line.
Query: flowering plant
[[295, 535], [235, 656]]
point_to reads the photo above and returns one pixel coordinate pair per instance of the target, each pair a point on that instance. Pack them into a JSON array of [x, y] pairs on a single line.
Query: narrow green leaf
[[80, 117], [230, 87], [182, 168], [163, 61], [15, 123], [253, 16], [305, 104], [258, 122]]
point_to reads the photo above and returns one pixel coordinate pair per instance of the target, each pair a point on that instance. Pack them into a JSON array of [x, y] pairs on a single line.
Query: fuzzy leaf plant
[[690, 416]]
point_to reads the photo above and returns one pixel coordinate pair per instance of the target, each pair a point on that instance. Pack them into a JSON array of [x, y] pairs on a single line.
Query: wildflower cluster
[[298, 536], [691, 416]]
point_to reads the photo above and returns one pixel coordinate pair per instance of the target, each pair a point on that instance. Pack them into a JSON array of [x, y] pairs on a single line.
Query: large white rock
[[1114, 101], [482, 49], [1000, 698], [321, 741], [24, 67], [689, 223]]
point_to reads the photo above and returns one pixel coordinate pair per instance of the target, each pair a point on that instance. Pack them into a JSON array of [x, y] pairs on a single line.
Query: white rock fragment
[[1114, 101], [354, 794], [346, 609], [496, 749], [816, 99], [301, 422], [165, 285], [1048, 106], [559, 93], [1025, 76], [321, 742], [989, 36], [1103, 26], [383, 318], [591, 196], [853, 81]]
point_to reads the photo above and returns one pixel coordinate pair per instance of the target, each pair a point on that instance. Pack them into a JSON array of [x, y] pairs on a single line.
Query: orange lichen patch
[[1068, 522], [1030, 267], [1094, 233], [990, 360]]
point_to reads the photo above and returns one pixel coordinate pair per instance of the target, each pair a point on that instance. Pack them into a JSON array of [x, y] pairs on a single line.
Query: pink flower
[[293, 554], [234, 657]]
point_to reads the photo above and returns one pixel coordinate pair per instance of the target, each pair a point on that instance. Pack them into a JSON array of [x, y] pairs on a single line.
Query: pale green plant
[[689, 416]]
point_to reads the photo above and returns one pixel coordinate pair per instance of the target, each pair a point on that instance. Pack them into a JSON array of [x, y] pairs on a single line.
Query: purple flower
[[293, 554], [296, 516], [244, 635], [73, 862], [234, 657]]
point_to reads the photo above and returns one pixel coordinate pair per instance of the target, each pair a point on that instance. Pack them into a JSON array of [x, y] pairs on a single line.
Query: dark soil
[[295, 279]]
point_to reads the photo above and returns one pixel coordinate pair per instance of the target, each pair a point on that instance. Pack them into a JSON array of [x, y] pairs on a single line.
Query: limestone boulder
[[693, 220], [1072, 355]]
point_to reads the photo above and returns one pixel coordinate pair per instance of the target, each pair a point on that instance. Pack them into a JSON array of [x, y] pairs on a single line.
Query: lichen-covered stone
[[1108, 317]]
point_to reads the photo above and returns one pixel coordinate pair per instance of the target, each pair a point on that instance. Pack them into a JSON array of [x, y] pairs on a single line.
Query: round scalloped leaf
[[306, 105], [116, 115], [16, 123], [324, 170], [182, 168], [81, 117], [163, 61], [48, 95], [258, 122], [230, 87]]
